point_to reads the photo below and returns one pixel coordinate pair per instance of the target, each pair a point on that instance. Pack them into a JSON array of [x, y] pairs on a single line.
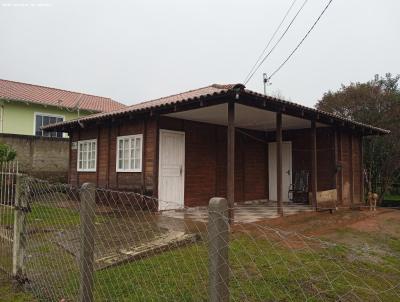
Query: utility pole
[[266, 82]]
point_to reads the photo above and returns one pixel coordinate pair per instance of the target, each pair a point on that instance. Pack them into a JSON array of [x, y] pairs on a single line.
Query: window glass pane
[[59, 134], [120, 143], [59, 119], [137, 163], [52, 119], [138, 143], [46, 120], [38, 125], [89, 157], [126, 163], [126, 158], [132, 164], [93, 159]]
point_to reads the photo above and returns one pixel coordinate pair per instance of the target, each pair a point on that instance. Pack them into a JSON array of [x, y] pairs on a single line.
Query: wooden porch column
[[338, 161], [314, 182], [362, 189], [230, 186], [279, 162], [351, 170]]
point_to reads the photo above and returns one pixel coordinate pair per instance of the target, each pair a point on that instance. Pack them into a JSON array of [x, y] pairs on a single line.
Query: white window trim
[[138, 170], [47, 114], [77, 157]]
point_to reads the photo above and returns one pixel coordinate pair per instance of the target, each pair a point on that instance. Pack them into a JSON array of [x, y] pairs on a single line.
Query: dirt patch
[[316, 224], [352, 227], [383, 221]]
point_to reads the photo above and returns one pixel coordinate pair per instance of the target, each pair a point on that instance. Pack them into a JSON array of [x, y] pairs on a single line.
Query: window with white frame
[[129, 153], [44, 119], [87, 154]]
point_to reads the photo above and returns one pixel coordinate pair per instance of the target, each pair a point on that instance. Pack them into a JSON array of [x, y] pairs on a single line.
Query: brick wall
[[45, 158]]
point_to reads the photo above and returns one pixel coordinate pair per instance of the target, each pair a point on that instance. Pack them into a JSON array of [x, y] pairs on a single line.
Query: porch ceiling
[[245, 117]]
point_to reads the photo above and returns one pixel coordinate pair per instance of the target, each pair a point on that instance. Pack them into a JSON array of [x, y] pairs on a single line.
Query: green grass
[[392, 197], [392, 201], [262, 270], [362, 266], [9, 294], [47, 216]]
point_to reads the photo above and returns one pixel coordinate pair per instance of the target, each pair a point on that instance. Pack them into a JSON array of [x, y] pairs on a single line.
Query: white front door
[[286, 170], [171, 175]]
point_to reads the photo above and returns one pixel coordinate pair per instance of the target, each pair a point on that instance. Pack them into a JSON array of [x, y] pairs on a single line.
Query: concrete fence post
[[218, 237], [87, 216], [19, 236]]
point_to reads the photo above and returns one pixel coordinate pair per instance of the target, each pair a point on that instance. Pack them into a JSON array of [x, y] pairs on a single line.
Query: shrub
[[6, 153]]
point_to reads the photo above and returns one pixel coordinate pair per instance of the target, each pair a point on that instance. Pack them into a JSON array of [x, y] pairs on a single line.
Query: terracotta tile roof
[[17, 91], [205, 94]]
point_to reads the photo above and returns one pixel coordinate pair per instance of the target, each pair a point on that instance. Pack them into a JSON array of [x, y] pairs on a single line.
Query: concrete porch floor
[[247, 212]]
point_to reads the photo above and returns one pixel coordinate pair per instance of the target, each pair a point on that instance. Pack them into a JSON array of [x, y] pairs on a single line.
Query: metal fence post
[[218, 236], [87, 208], [19, 237]]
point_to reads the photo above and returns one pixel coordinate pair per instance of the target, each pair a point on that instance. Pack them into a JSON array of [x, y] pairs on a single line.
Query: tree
[[376, 102], [6, 153]]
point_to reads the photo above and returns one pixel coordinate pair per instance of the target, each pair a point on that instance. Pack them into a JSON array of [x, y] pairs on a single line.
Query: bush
[[7, 153]]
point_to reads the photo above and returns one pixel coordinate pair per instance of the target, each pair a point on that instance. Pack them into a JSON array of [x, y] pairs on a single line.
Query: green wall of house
[[18, 117]]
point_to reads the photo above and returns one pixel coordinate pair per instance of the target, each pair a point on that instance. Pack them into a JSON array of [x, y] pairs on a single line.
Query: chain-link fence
[[114, 246], [8, 173]]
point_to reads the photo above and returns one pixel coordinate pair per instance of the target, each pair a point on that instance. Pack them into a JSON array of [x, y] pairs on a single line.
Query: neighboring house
[[25, 108], [220, 140]]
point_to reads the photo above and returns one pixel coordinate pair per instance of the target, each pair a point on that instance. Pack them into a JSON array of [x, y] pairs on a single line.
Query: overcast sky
[[133, 51]]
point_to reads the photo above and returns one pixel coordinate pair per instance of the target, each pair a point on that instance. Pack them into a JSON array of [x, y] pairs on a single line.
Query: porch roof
[[179, 105]]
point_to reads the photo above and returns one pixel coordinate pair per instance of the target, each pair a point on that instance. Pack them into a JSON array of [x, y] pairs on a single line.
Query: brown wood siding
[[357, 177], [103, 158], [255, 169], [345, 162], [106, 175], [206, 150], [301, 154], [206, 159]]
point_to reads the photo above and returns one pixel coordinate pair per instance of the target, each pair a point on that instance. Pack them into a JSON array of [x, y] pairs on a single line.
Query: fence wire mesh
[[144, 255], [8, 173]]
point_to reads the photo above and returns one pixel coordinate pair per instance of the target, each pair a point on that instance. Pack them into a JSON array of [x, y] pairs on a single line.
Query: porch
[[227, 141], [243, 213], [246, 153]]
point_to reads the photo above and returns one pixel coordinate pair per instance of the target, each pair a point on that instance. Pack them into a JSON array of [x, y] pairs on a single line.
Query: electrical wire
[[301, 42], [277, 42], [270, 40]]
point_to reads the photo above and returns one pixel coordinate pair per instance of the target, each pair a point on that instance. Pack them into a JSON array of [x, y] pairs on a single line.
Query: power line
[[276, 44], [301, 42], [270, 40]]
